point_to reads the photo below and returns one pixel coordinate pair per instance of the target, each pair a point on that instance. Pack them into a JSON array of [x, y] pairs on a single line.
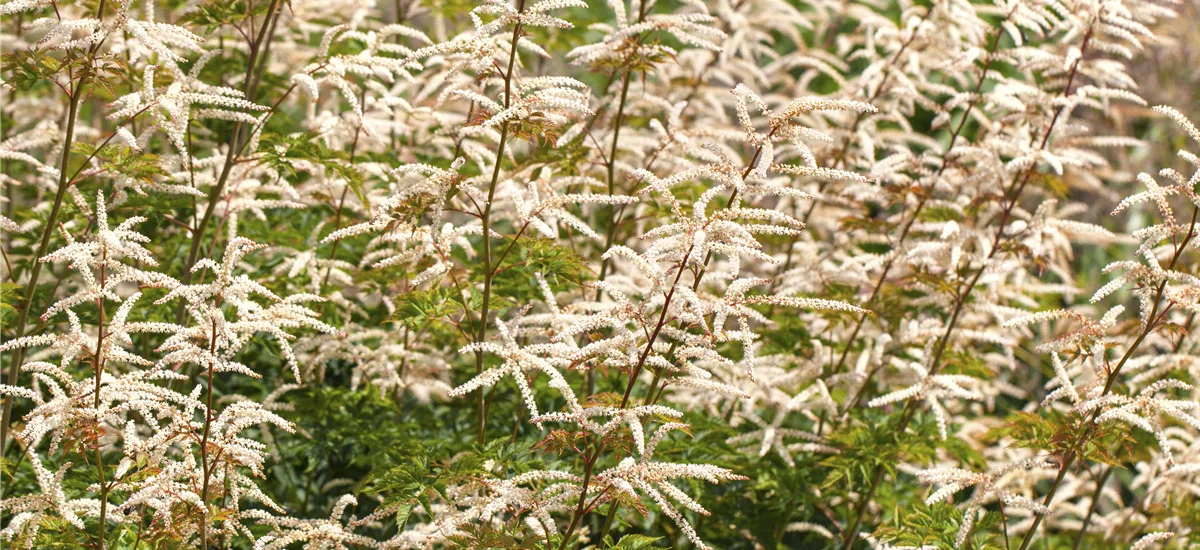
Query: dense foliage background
[[735, 273]]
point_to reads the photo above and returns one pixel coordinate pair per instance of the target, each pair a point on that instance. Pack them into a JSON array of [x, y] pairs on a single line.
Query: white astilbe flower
[[1150, 540], [543, 208], [13, 148], [214, 339], [1146, 409], [773, 437], [540, 493], [989, 486], [653, 479], [626, 40], [30, 510], [149, 37], [532, 16], [175, 107], [1090, 332], [329, 533], [750, 220], [101, 262], [932, 389], [806, 527], [67, 409], [542, 100], [631, 417], [1063, 379], [429, 191], [381, 60], [380, 359], [518, 360]]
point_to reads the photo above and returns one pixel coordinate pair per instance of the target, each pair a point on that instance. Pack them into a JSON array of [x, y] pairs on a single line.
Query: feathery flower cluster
[[553, 274]]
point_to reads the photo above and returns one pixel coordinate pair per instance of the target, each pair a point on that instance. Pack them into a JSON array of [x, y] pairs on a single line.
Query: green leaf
[[29, 69], [515, 276], [636, 542], [281, 151], [402, 513], [9, 296], [419, 307]]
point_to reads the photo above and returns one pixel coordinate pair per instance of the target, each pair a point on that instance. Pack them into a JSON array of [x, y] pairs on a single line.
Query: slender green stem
[[590, 461], [1151, 323], [235, 144], [907, 227], [1087, 520], [337, 218], [486, 217], [14, 368], [98, 375], [1011, 197], [608, 520], [1004, 526], [611, 232], [207, 468]]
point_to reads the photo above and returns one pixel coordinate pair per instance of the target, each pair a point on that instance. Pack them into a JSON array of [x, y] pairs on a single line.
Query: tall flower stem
[[73, 99], [1150, 324], [98, 375], [205, 467], [235, 143], [612, 170], [912, 218], [337, 218], [486, 217], [1087, 520], [614, 210], [35, 272], [1011, 197], [590, 460], [843, 150]]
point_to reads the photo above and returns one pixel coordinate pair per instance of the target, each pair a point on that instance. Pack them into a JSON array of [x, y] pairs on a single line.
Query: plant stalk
[[486, 217]]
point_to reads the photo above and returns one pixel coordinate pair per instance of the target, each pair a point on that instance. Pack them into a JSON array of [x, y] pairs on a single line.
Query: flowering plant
[[549, 274]]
